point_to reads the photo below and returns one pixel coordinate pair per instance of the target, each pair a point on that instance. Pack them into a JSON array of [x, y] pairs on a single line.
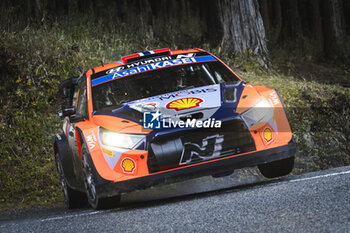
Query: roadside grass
[[33, 61]]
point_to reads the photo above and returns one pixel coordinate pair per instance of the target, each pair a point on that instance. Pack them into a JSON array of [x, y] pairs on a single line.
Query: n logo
[[211, 148]]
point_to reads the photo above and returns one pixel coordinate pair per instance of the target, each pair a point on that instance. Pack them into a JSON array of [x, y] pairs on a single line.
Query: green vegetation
[[33, 61]]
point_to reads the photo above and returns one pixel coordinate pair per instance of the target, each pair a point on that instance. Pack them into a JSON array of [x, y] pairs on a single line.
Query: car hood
[[184, 102], [201, 103]]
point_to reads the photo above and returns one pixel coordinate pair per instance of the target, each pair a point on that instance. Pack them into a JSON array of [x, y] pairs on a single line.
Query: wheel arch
[[80, 136]]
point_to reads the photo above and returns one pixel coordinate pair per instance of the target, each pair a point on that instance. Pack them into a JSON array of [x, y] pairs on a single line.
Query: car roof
[[143, 56]]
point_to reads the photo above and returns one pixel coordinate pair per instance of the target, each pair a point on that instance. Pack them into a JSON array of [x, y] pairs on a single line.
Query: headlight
[[120, 140], [261, 112]]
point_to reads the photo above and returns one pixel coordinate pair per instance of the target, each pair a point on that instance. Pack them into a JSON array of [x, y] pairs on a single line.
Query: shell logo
[[185, 103], [128, 165], [267, 133]]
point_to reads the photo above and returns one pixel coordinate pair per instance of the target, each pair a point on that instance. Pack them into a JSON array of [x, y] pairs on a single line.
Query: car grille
[[198, 145]]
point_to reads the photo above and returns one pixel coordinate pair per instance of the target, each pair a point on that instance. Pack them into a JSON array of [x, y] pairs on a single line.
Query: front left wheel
[[90, 186], [72, 198]]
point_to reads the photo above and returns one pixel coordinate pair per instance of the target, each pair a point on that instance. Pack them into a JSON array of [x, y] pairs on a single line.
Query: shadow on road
[[158, 195], [190, 189]]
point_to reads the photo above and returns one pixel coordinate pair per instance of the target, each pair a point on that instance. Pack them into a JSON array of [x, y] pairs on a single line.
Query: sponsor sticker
[[274, 98], [185, 93], [114, 70], [146, 107], [184, 103], [128, 165], [107, 152], [91, 140], [267, 134], [149, 61], [210, 148], [147, 67]]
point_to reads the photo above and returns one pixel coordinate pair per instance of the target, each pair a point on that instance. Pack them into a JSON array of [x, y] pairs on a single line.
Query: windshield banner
[[153, 66]]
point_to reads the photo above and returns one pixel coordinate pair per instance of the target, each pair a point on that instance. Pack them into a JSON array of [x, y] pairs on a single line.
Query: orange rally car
[[163, 116]]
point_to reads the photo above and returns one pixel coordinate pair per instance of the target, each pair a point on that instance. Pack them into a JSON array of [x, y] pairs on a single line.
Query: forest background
[[301, 48]]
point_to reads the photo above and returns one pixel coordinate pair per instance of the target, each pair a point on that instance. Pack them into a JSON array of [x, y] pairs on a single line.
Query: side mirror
[[65, 92], [66, 88], [75, 118], [66, 112]]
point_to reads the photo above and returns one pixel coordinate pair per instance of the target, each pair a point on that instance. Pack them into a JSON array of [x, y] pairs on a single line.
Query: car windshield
[[161, 81]]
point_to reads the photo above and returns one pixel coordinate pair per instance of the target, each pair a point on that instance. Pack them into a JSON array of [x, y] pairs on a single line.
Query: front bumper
[[228, 163]]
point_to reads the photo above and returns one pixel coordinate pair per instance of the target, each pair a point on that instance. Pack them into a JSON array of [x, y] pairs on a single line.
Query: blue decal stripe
[[205, 58], [152, 66]]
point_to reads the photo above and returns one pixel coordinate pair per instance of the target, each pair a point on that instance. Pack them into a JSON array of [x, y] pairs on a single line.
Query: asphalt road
[[314, 202]]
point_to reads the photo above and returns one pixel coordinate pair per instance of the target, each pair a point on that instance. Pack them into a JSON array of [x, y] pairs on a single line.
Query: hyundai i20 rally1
[[164, 116]]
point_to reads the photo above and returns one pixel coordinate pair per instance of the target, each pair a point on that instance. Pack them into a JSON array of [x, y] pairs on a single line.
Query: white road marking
[[72, 215], [321, 176]]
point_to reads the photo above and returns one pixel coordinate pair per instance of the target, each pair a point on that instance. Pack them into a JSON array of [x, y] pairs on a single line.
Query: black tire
[[277, 168], [90, 186], [72, 198]]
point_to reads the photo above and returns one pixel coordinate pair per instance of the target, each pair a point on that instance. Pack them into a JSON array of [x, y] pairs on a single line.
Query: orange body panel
[[90, 133], [281, 131], [248, 99], [185, 51], [284, 130], [119, 125], [140, 158]]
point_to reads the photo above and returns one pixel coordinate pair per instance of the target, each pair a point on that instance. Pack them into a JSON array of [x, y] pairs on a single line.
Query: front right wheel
[[277, 168], [90, 185]]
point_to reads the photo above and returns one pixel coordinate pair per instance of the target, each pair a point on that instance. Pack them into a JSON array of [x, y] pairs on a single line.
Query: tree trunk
[[147, 16], [333, 29], [291, 21], [276, 22], [316, 28], [346, 13], [264, 11], [243, 28], [213, 31], [37, 8]]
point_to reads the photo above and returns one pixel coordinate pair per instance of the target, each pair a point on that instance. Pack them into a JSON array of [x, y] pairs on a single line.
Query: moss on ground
[[33, 61]]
